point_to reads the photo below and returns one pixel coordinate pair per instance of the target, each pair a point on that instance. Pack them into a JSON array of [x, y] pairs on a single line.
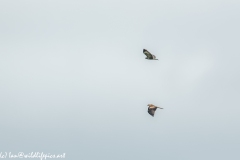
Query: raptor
[[152, 108], [149, 55]]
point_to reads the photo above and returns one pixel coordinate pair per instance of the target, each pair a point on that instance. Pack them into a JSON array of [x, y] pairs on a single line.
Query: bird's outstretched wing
[[151, 111], [148, 54]]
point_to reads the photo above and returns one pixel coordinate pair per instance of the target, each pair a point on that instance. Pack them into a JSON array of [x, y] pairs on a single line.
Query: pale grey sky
[[74, 80]]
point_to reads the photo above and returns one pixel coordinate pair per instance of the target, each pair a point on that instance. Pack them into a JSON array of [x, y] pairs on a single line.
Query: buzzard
[[152, 109], [149, 55]]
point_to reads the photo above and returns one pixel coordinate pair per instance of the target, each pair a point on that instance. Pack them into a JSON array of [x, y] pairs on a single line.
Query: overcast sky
[[74, 80]]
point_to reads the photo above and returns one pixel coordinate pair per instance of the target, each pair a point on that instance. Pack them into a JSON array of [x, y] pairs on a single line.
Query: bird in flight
[[149, 55], [152, 109]]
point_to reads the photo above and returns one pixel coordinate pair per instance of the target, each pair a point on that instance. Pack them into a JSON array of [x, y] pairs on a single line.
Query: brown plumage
[[152, 109]]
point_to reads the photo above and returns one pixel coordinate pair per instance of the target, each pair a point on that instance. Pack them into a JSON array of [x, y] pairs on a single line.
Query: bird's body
[[149, 55], [152, 108]]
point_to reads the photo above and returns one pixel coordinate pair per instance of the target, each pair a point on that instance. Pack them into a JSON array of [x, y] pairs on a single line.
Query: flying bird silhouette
[[149, 55], [152, 109]]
